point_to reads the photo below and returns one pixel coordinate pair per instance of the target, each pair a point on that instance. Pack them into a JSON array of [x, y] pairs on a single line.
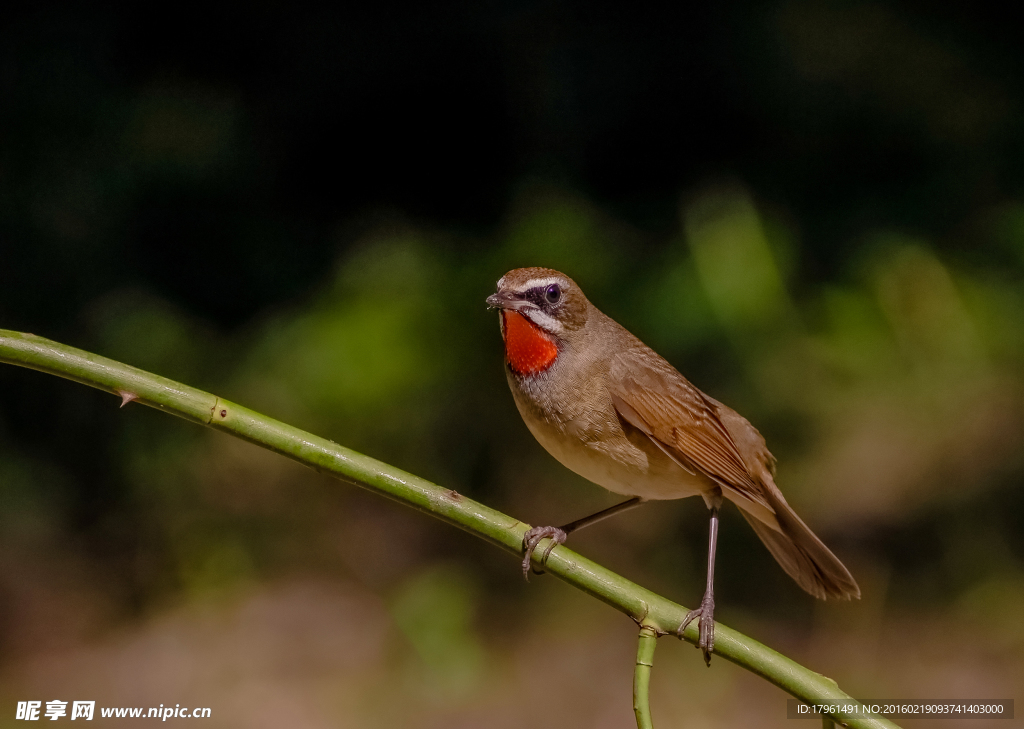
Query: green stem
[[643, 606], [642, 677]]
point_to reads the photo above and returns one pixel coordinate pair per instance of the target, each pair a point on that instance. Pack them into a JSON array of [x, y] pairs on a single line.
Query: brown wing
[[700, 435], [683, 422]]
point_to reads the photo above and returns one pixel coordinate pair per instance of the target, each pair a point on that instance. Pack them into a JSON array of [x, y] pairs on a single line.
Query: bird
[[612, 410]]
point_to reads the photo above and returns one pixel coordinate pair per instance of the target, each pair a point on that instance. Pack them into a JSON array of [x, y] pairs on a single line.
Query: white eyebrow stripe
[[534, 283]]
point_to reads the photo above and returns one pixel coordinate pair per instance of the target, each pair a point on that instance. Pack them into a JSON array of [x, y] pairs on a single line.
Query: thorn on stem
[[127, 397]]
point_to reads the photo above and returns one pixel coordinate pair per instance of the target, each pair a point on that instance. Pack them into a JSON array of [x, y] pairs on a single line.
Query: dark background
[[813, 209]]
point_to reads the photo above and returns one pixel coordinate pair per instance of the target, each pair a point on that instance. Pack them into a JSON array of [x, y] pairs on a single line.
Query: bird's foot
[[706, 626], [534, 537]]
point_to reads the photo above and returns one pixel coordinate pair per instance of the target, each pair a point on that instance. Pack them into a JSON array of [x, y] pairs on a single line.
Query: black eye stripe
[[538, 296]]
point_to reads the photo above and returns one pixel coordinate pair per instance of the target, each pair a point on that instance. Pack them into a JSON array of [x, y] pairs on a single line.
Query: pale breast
[[584, 433]]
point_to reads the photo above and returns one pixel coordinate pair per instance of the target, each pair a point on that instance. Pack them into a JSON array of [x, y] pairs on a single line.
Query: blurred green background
[[814, 210]]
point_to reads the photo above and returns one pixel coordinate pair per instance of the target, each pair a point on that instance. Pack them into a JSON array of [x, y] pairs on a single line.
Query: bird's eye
[[553, 293]]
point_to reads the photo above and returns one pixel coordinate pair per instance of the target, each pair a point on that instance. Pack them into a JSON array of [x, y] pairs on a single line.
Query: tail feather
[[801, 554], [791, 542]]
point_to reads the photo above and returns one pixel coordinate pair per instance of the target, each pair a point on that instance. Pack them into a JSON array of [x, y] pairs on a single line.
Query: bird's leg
[[706, 611], [558, 535]]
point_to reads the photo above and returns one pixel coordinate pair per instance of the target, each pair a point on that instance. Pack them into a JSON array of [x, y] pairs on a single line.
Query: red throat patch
[[528, 349]]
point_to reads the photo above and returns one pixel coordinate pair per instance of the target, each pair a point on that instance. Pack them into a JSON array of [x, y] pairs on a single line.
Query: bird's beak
[[503, 300]]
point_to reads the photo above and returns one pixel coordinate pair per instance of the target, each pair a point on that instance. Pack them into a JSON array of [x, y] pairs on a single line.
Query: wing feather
[[683, 422], [700, 434]]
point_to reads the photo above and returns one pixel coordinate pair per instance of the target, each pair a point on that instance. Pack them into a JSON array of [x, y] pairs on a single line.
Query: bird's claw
[[706, 626], [534, 537]]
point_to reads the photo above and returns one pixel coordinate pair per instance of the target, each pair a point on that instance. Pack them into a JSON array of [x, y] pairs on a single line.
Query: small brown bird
[[611, 409]]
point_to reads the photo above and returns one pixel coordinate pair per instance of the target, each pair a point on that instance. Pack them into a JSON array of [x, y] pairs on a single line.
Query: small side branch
[[646, 644]]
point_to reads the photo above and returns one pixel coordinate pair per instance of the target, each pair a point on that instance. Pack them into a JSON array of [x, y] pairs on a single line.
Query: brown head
[[541, 311]]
